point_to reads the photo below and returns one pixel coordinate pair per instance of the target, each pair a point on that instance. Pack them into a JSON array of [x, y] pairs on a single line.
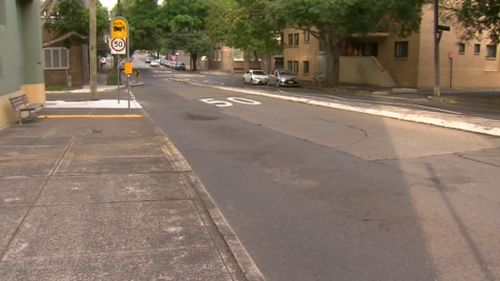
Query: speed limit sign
[[118, 46]]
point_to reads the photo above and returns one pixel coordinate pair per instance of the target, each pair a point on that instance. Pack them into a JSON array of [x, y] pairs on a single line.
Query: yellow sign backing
[[128, 68], [119, 29]]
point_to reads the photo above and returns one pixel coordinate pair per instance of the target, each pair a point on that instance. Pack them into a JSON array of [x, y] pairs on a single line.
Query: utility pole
[[437, 39], [93, 50]]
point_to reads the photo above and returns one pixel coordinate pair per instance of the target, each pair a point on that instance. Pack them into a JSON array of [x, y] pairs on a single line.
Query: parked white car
[[255, 77], [155, 63]]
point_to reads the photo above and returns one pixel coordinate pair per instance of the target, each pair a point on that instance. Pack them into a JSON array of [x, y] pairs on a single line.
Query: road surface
[[322, 194]]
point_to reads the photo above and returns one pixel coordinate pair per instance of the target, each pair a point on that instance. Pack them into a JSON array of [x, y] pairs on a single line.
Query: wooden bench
[[21, 104]]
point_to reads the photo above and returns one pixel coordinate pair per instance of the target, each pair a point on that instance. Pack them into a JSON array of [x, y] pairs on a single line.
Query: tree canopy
[[145, 26], [479, 17], [72, 17], [247, 25], [187, 23]]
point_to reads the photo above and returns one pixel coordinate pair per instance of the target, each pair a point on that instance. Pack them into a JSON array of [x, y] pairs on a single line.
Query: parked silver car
[[255, 77], [282, 77]]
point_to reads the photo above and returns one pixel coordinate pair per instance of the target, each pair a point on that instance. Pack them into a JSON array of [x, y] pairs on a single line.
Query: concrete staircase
[[357, 70], [387, 80]]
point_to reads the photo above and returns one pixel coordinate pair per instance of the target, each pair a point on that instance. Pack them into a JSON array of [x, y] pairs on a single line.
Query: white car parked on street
[[155, 63], [255, 77]]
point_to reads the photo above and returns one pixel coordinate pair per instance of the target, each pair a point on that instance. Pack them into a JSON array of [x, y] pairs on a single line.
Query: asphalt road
[[479, 104], [322, 194]]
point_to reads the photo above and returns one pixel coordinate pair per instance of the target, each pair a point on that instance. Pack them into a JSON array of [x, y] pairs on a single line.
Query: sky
[[110, 3]]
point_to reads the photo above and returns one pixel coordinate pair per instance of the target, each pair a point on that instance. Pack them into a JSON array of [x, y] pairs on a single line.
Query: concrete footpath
[[103, 194]]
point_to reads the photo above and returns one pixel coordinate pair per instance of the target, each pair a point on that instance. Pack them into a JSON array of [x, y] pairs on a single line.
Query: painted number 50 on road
[[229, 101]]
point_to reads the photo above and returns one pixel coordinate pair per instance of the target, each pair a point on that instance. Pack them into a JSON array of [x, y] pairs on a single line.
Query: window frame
[[304, 68], [307, 36], [60, 61], [295, 66], [405, 51], [461, 48], [218, 54], [488, 52], [290, 40], [290, 65], [477, 49], [238, 55], [296, 39]]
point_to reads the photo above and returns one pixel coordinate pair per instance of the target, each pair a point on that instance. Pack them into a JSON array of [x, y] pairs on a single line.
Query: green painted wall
[[31, 31], [20, 44]]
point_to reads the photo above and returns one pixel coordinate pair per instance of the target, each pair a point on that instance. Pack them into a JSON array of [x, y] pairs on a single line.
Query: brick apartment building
[[384, 59]]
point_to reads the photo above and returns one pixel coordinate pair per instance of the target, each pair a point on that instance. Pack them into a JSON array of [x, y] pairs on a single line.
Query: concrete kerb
[[475, 125], [221, 232]]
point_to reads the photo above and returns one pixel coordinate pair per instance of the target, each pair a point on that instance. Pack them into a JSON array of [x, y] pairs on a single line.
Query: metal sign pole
[[118, 78], [128, 61]]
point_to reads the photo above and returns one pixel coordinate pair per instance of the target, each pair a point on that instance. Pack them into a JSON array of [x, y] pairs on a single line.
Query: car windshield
[[258, 72]]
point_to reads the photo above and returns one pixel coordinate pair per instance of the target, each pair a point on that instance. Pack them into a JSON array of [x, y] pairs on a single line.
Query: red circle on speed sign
[[118, 44]]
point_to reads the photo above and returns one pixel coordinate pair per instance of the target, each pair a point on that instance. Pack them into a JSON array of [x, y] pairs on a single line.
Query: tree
[[69, 20], [334, 21], [186, 21], [144, 24], [477, 17], [243, 24], [249, 28]]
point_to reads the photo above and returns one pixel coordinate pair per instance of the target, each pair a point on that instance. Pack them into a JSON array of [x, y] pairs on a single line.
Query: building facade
[[383, 59], [65, 66], [227, 59], [21, 65]]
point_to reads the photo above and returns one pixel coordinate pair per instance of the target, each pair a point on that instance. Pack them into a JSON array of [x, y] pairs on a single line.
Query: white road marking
[[244, 101], [223, 103], [218, 103]]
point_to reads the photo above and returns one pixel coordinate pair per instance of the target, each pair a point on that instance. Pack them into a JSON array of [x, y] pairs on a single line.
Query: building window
[[491, 51], [296, 66], [461, 48], [290, 40], [218, 54], [296, 39], [477, 49], [401, 49], [238, 55], [290, 65], [56, 58], [307, 37], [306, 67]]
